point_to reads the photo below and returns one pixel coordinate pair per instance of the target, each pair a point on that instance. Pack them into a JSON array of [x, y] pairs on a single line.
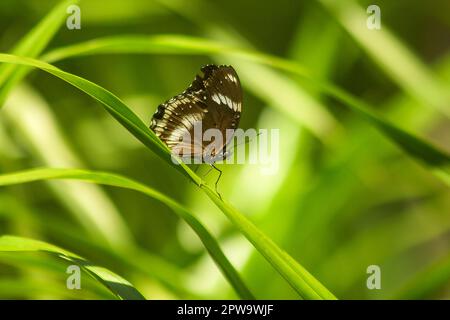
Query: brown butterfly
[[213, 101]]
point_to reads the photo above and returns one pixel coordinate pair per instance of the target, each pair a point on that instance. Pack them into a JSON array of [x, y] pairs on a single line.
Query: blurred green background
[[344, 198]]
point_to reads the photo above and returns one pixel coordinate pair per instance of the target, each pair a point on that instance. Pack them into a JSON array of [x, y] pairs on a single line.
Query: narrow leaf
[[297, 277], [414, 146], [116, 284], [207, 239], [32, 45]]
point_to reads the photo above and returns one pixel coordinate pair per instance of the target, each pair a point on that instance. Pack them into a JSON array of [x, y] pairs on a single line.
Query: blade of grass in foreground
[[31, 46], [118, 181], [415, 147], [116, 284], [141, 263], [90, 205], [276, 89], [304, 283]]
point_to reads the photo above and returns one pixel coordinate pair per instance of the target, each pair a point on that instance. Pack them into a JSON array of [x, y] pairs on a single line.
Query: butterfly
[[212, 101]]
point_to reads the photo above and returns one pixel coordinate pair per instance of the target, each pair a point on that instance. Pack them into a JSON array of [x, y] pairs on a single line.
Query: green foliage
[[298, 277], [114, 180], [346, 99], [32, 45], [116, 284]]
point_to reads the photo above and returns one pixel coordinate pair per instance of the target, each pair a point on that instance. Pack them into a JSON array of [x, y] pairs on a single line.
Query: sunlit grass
[[340, 165]]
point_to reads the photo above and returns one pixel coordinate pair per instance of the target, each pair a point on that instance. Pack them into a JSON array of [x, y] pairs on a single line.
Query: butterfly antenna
[[247, 141], [218, 178]]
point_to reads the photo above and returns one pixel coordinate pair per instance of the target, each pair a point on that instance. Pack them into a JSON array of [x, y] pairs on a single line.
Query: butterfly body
[[212, 101]]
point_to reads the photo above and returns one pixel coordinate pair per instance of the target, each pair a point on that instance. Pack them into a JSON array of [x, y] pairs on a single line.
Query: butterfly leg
[[208, 171], [218, 178], [195, 171]]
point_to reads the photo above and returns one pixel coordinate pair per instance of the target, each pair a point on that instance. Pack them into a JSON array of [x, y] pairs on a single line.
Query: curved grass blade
[[296, 276], [113, 105], [391, 55], [277, 89], [32, 45], [116, 284], [29, 289], [90, 205], [414, 146], [207, 239], [290, 269], [427, 282], [141, 262]]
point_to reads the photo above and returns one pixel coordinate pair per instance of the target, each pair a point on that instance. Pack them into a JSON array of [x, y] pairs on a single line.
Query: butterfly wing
[[176, 119], [213, 100], [224, 101]]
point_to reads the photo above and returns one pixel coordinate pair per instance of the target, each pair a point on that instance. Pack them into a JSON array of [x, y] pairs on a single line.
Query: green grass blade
[[90, 205], [28, 288], [112, 104], [391, 55], [285, 97], [427, 282], [297, 277], [208, 240], [290, 269], [31, 46], [417, 148], [116, 284], [137, 261]]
